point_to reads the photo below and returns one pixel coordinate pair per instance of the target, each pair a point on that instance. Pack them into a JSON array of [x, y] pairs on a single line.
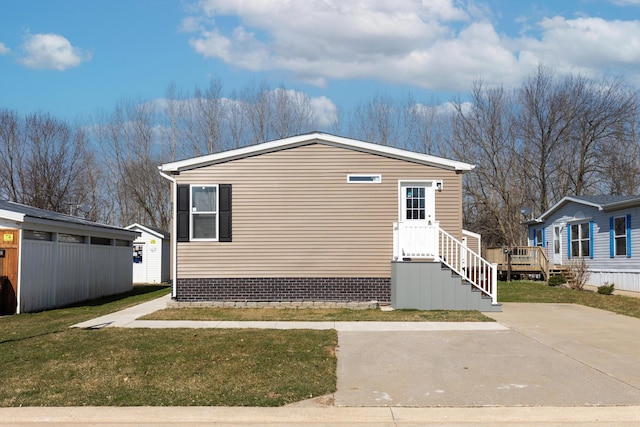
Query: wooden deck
[[524, 260]]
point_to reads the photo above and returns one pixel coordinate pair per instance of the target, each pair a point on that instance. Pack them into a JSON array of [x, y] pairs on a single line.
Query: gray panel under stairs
[[433, 286]]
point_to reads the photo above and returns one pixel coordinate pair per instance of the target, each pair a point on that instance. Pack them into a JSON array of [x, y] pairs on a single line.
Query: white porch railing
[[418, 240], [413, 239]]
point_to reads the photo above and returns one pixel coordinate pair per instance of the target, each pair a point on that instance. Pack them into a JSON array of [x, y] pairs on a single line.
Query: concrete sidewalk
[[316, 417], [127, 318]]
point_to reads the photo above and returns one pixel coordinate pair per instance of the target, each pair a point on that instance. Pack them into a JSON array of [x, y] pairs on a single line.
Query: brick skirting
[[343, 289]]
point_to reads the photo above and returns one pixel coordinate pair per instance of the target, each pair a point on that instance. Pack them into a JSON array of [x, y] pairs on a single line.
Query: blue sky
[[73, 57]]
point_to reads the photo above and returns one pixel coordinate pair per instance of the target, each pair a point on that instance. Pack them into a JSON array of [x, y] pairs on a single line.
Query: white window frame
[[620, 236], [580, 239], [361, 178], [192, 212]]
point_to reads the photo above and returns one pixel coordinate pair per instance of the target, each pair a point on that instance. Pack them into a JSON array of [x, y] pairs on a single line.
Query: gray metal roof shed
[[49, 259]]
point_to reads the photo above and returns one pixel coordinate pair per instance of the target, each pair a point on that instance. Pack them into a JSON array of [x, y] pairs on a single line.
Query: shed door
[[9, 241], [140, 262]]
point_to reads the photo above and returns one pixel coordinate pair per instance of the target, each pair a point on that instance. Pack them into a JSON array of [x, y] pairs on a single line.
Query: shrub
[[580, 272], [557, 280], [606, 289]]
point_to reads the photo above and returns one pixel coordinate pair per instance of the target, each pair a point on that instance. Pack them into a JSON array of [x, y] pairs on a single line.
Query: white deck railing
[[419, 240]]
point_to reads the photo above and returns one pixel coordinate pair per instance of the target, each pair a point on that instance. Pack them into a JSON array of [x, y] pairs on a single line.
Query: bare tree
[[427, 127], [255, 98], [130, 147], [619, 162], [484, 134], [12, 155], [378, 120], [547, 114], [42, 157], [292, 112], [236, 119], [209, 116], [604, 111]]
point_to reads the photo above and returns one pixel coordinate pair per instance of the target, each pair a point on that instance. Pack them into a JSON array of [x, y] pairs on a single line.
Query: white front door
[[557, 245], [417, 230], [417, 201], [139, 263]]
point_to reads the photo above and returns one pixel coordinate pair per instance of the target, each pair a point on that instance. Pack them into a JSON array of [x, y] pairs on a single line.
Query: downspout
[[174, 231]]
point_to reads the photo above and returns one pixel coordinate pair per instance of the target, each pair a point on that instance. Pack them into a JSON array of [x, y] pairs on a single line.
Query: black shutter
[[225, 213], [183, 213]]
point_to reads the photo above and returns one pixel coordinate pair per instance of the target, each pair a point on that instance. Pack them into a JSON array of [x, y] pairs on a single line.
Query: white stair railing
[[468, 264]]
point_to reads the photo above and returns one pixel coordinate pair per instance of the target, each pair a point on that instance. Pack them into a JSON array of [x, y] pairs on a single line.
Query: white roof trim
[[11, 216], [142, 227], [316, 137]]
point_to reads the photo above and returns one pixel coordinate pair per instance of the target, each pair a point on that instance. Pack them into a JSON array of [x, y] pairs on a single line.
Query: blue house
[[603, 230]]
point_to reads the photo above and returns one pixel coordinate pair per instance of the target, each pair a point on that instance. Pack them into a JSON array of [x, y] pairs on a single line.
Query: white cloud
[[434, 44], [626, 2], [325, 111], [585, 44], [51, 51], [4, 49]]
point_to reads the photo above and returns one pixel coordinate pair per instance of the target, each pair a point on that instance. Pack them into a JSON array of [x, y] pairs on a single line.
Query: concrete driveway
[[551, 355]]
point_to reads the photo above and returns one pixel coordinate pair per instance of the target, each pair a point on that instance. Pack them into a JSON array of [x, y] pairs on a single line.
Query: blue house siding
[[622, 270]]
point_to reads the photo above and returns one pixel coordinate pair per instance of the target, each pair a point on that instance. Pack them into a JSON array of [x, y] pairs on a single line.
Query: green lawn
[[46, 363], [540, 292]]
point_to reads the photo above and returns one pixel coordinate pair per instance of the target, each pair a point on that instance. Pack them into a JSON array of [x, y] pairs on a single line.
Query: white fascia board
[[133, 227], [11, 216], [312, 138]]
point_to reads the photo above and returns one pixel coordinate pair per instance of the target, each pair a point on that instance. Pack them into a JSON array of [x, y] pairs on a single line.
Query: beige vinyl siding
[[473, 243], [295, 215]]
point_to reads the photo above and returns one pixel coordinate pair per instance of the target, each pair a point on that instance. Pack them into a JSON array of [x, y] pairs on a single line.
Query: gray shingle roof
[[605, 199]]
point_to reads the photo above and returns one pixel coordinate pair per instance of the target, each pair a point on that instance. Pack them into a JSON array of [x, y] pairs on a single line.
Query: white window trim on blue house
[[613, 236], [569, 243]]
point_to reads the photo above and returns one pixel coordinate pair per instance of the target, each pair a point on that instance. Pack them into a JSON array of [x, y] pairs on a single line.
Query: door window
[[415, 202], [556, 240], [138, 250]]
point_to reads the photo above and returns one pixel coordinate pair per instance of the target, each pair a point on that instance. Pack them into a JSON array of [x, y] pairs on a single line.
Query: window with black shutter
[[204, 213], [182, 219], [225, 213]]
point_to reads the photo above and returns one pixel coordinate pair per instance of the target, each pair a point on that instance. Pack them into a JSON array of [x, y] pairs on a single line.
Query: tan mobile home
[[311, 217]]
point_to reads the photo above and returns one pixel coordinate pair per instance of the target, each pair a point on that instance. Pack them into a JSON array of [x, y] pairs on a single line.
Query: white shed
[[48, 259], [151, 255]]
